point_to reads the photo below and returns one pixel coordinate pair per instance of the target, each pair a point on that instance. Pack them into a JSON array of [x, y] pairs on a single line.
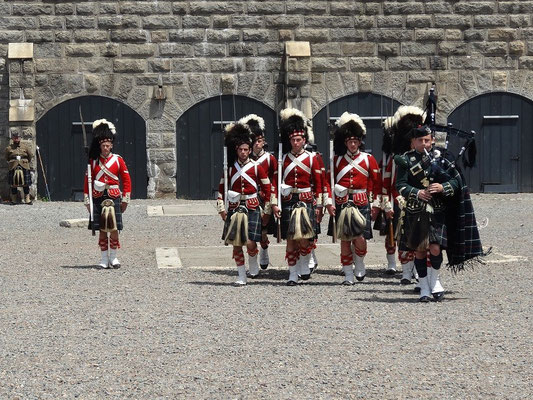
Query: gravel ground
[[68, 329]]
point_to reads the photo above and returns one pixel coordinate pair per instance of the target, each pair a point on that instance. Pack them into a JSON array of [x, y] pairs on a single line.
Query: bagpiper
[[246, 181], [256, 124], [397, 141], [301, 191], [356, 176], [18, 157], [108, 170]]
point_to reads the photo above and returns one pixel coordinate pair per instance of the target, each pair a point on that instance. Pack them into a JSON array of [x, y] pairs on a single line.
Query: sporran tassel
[[300, 226], [351, 223], [238, 228], [108, 220], [18, 177]]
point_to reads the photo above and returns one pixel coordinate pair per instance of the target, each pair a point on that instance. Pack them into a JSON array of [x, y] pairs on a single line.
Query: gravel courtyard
[[71, 330]]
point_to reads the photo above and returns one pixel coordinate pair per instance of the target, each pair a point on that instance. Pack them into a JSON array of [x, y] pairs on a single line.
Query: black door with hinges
[[503, 123]]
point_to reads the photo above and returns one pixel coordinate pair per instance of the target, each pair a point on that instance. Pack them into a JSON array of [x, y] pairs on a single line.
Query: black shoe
[[305, 277], [416, 289], [360, 278], [292, 283], [253, 276], [390, 271], [438, 296], [264, 266], [405, 281], [347, 283], [424, 299]]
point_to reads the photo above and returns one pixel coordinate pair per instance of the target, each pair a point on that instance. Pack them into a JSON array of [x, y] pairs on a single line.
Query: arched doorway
[[503, 123], [199, 142], [371, 107], [60, 140]]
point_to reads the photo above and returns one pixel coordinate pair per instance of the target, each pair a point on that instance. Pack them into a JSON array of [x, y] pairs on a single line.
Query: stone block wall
[[122, 49]]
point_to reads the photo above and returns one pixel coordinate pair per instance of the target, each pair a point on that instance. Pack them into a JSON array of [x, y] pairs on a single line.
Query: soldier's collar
[[241, 164], [259, 154], [297, 154], [352, 155]]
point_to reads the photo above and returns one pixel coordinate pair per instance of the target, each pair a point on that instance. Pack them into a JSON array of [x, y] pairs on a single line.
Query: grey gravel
[[68, 329]]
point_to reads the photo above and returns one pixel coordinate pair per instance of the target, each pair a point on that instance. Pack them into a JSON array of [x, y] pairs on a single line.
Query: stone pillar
[[21, 71], [298, 76]]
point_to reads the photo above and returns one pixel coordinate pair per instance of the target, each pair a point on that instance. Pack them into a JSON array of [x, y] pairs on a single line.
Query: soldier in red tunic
[[107, 170], [256, 124], [301, 190], [246, 181], [356, 179]]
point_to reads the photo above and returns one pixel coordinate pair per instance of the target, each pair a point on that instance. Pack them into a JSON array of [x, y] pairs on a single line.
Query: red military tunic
[[269, 163], [356, 175], [302, 174], [107, 173], [389, 192], [245, 182]]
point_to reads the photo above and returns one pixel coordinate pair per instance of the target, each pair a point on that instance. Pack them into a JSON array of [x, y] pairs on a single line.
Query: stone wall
[[122, 49]]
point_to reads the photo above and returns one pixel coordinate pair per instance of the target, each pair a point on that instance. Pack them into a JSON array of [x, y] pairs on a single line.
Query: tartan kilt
[[254, 223], [97, 211], [437, 229], [27, 176], [365, 211], [286, 210]]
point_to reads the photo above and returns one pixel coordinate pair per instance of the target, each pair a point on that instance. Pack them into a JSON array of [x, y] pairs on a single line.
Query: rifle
[[331, 164], [89, 174], [225, 164], [280, 167], [44, 173]]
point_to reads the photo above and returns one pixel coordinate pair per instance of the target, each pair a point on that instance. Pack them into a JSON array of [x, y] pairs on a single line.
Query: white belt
[[234, 197], [352, 191], [286, 189], [101, 186]]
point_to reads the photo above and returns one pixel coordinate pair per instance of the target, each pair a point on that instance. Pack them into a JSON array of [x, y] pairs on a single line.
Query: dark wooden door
[[372, 108], [199, 142], [59, 137], [503, 123]]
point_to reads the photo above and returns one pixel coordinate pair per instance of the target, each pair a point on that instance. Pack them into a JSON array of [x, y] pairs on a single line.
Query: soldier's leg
[[14, 192], [359, 245], [114, 245], [264, 259], [103, 244], [422, 269], [305, 255], [391, 260], [347, 262], [407, 262], [435, 258], [27, 198], [313, 262], [251, 248], [238, 256], [292, 255]]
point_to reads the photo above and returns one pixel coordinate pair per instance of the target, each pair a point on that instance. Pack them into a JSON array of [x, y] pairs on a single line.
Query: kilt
[[271, 227], [254, 223], [365, 211], [27, 176], [286, 211], [437, 229], [97, 211]]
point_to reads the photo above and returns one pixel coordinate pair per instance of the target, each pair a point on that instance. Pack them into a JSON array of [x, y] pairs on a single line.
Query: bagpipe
[[442, 157]]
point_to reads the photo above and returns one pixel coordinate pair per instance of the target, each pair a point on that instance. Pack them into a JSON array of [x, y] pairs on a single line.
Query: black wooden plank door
[[199, 142], [503, 123], [59, 137], [370, 107]]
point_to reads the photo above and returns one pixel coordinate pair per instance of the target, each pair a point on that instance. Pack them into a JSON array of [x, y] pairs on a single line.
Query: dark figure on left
[[18, 156]]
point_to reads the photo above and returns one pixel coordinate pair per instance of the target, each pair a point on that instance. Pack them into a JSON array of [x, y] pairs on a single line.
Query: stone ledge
[[75, 223]]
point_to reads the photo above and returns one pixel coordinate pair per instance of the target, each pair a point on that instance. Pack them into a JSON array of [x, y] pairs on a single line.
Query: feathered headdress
[[256, 124], [405, 119], [234, 136], [293, 123], [103, 131], [388, 133], [348, 126]]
